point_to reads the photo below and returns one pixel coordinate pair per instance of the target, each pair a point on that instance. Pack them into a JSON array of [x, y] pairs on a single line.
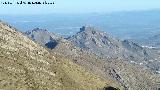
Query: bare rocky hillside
[[25, 65]]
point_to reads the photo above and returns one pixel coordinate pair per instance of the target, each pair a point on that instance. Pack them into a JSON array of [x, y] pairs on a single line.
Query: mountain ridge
[[25, 65], [116, 69], [106, 46]]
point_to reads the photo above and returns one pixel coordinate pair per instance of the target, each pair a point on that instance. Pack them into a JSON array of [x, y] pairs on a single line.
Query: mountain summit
[[90, 38]]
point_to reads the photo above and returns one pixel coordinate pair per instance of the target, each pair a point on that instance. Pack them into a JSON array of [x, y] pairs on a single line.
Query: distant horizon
[[80, 13], [78, 7]]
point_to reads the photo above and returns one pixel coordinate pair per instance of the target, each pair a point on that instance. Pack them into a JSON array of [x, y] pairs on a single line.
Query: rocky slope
[[106, 46], [117, 70], [25, 65], [129, 76]]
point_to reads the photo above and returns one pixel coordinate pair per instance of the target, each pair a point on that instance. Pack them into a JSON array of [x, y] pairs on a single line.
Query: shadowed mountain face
[[25, 65], [114, 68], [52, 44], [110, 88]]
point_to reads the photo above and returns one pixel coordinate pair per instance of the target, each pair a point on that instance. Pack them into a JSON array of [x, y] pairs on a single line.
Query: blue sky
[[79, 6]]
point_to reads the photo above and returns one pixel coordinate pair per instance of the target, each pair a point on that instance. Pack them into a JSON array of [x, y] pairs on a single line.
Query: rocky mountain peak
[[42, 36], [91, 31], [36, 30], [90, 37], [87, 29]]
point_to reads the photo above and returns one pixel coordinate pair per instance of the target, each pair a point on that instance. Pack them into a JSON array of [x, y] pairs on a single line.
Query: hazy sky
[[79, 6]]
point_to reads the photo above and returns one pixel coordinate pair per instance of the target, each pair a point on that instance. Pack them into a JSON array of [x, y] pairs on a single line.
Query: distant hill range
[[124, 25]]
